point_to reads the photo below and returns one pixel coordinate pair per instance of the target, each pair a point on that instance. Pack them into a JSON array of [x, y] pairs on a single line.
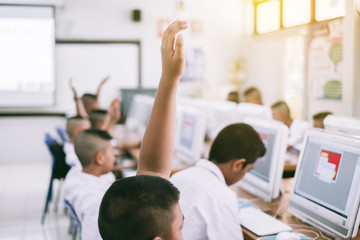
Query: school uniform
[[209, 206], [85, 192], [297, 132]]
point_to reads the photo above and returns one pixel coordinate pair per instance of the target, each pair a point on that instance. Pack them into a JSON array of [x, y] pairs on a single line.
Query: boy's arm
[[112, 116], [100, 86], [80, 109], [157, 147]]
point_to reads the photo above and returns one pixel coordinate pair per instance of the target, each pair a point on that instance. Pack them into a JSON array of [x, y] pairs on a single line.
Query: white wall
[[22, 138], [111, 20]]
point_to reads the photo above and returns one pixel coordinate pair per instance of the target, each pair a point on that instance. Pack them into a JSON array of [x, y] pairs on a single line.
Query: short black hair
[[88, 99], [89, 142], [237, 141], [321, 115], [252, 90], [74, 122], [97, 117], [137, 208], [281, 106]]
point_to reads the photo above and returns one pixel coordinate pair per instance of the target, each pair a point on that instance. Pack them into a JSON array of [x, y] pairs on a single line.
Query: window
[[274, 15]]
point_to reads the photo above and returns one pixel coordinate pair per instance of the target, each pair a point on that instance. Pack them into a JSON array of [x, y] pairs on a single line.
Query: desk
[[280, 204]]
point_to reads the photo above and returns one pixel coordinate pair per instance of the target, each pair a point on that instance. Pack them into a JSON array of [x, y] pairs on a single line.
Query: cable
[[310, 231]]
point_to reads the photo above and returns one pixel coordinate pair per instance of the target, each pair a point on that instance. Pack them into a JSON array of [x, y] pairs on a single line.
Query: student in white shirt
[[209, 205], [85, 189], [74, 126], [146, 206], [297, 128]]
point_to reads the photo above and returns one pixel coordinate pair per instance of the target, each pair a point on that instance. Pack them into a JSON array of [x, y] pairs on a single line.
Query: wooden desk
[[280, 204]]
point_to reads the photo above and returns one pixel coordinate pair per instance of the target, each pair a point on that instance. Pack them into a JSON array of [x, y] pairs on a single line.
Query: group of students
[[195, 203], [281, 112]]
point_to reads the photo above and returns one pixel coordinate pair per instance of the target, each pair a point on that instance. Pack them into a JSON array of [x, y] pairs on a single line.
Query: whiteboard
[[88, 62]]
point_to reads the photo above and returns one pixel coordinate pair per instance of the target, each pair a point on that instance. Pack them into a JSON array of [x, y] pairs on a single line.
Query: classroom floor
[[23, 188]]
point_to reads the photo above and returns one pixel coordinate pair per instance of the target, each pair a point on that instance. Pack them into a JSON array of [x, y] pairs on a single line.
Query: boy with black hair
[[88, 102], [146, 206], [209, 205], [318, 119], [297, 127], [253, 95], [85, 189]]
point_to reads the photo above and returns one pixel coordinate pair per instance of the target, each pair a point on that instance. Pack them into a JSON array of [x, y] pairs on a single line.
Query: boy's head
[[90, 102], [281, 112], [319, 119], [141, 207], [75, 125], [253, 95], [235, 150], [233, 96], [97, 118], [93, 148]]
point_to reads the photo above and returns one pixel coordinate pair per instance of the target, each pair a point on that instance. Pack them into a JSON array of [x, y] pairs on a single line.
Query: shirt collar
[[211, 167]]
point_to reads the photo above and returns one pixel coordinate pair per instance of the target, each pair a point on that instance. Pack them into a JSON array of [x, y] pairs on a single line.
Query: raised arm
[[80, 109], [113, 115], [100, 86], [157, 147]]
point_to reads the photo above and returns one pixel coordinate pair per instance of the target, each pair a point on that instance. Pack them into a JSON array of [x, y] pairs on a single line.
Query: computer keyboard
[[261, 223]]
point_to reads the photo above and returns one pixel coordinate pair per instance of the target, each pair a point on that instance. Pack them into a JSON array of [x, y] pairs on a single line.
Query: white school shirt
[[209, 206], [73, 161], [297, 132], [85, 192]]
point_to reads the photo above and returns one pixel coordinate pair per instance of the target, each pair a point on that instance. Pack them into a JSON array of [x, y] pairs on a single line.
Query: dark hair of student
[[89, 142], [74, 122], [137, 208], [97, 116], [88, 99], [237, 141], [321, 115]]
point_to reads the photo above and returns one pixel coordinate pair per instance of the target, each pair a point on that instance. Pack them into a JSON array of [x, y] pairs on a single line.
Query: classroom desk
[[280, 204]]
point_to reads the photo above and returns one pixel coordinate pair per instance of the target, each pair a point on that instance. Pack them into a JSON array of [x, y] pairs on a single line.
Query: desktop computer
[[265, 180], [326, 189], [190, 134]]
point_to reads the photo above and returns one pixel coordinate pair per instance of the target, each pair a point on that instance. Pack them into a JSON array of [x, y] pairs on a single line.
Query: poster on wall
[[325, 60]]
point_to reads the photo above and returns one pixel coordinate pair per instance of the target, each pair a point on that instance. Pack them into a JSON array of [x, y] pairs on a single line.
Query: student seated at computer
[[88, 102], [297, 128], [253, 95], [209, 206], [74, 126], [106, 120], [318, 119], [85, 189], [146, 206]]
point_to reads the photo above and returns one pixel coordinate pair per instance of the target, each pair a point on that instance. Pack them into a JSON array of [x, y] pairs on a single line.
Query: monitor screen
[[263, 165], [264, 180], [190, 134], [188, 126], [326, 187]]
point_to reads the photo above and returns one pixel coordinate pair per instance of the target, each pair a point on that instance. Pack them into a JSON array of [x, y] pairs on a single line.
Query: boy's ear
[[99, 158], [237, 164]]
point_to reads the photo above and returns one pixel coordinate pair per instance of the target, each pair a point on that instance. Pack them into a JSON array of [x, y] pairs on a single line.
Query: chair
[[63, 134], [75, 224], [59, 169]]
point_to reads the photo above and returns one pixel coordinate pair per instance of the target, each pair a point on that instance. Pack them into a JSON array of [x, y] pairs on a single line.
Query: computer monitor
[[346, 125], [139, 113], [265, 179], [190, 134], [326, 189], [244, 110], [127, 95]]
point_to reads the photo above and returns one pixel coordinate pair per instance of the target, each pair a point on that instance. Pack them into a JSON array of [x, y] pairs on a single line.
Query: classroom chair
[[59, 169], [62, 134], [75, 224]]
